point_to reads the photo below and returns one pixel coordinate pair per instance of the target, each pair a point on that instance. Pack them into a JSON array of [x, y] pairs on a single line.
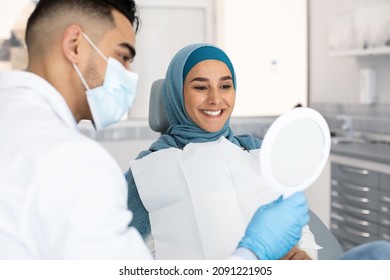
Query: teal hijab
[[182, 129]]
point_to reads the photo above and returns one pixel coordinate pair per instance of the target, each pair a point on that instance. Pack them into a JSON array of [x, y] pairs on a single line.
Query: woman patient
[[199, 179]]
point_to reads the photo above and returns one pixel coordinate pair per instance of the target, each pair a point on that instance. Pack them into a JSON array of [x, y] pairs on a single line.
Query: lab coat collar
[[24, 79]]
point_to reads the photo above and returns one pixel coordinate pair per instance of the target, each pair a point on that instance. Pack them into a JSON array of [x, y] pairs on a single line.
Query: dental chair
[[158, 122], [158, 119]]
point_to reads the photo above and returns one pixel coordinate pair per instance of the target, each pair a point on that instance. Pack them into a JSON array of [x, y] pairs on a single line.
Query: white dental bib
[[200, 199]]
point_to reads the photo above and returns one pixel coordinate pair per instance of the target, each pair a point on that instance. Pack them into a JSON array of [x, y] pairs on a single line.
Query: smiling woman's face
[[209, 94]]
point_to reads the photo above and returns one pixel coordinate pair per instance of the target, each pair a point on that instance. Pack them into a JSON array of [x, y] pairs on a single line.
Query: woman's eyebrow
[[225, 78], [199, 79], [203, 79]]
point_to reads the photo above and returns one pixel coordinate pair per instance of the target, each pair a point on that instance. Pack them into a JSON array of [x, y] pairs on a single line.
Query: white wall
[[10, 13], [336, 80], [267, 43], [166, 27]]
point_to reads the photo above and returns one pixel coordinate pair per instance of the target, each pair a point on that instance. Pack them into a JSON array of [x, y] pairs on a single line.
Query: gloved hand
[[276, 227]]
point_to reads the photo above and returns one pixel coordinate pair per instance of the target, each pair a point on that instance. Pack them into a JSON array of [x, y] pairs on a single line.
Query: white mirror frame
[[275, 130]]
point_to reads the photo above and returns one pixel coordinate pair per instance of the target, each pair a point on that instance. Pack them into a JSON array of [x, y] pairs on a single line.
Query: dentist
[[62, 196]]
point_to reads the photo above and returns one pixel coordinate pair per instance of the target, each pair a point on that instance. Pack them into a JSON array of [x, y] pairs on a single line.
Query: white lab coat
[[62, 196]]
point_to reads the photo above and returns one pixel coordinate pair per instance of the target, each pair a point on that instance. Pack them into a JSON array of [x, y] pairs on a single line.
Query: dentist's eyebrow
[[130, 48]]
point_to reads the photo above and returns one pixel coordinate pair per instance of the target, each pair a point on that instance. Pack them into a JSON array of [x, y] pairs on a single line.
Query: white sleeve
[[79, 210], [242, 253], [308, 243]]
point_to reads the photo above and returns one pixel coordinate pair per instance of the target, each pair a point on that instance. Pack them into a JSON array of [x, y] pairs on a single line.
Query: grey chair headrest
[[158, 120]]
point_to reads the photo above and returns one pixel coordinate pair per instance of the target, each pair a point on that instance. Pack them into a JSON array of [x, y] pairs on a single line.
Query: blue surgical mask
[[110, 101]]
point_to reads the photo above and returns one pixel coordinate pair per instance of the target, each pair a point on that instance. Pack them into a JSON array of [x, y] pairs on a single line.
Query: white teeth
[[212, 113]]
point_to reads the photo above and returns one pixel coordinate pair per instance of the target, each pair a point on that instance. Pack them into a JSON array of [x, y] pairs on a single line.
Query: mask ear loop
[[81, 76], [94, 46], [98, 51]]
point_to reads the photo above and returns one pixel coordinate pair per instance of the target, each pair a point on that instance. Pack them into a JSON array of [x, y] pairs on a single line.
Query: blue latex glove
[[276, 227]]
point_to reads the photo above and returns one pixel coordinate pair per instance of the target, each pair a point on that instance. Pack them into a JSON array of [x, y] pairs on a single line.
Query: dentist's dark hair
[[48, 13]]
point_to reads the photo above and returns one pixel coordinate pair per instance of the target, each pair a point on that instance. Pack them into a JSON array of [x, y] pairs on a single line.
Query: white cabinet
[[319, 194], [360, 52], [360, 32], [360, 201]]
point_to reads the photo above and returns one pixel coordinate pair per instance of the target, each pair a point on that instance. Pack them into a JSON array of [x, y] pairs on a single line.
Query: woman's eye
[[226, 86], [200, 87]]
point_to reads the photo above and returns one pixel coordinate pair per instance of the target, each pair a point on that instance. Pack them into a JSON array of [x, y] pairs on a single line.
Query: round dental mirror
[[295, 150]]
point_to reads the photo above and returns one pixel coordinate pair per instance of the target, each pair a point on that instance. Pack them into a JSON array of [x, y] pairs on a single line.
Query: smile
[[212, 113]]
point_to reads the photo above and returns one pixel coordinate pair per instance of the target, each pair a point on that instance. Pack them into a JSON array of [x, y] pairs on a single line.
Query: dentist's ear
[[71, 42]]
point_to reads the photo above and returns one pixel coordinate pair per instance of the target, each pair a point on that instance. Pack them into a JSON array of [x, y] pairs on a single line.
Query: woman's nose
[[214, 97]]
